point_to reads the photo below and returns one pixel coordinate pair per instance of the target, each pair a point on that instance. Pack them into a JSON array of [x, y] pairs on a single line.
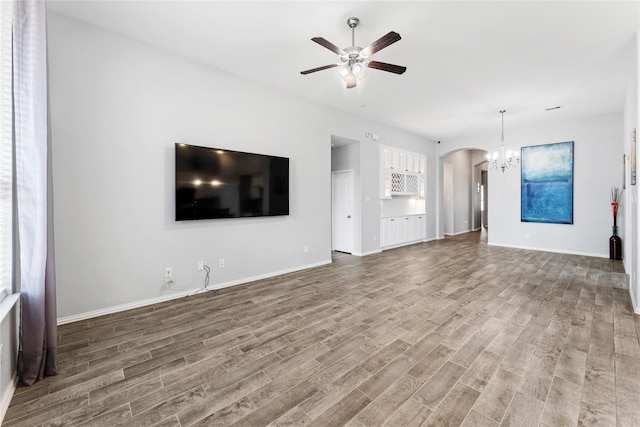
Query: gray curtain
[[37, 350]]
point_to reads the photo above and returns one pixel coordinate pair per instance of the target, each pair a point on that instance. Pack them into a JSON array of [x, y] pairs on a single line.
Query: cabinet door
[[415, 163], [390, 231], [385, 186], [414, 229], [409, 164], [403, 161], [422, 227], [406, 229], [395, 160], [387, 159], [397, 183], [412, 184]]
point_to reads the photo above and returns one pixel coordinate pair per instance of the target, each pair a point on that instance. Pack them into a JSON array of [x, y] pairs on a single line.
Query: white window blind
[[6, 145]]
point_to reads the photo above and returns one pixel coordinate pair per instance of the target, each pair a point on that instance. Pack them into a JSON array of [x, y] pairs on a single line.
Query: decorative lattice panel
[[412, 184], [397, 182]]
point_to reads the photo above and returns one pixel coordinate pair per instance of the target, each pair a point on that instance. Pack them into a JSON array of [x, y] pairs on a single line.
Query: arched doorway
[[464, 191]]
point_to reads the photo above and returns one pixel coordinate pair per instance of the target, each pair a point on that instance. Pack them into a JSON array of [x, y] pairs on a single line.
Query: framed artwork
[[547, 183]]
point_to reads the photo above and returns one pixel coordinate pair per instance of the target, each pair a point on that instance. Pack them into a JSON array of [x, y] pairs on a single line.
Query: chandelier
[[503, 160]]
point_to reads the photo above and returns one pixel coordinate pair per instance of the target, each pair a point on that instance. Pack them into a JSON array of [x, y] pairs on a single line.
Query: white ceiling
[[465, 60]]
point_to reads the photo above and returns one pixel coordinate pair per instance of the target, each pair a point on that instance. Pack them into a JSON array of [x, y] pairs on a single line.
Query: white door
[[342, 211]]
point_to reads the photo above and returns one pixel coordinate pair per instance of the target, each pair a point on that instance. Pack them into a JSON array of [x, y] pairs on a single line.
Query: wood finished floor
[[445, 333]]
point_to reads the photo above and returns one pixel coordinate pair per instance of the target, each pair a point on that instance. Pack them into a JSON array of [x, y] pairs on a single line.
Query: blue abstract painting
[[547, 183]]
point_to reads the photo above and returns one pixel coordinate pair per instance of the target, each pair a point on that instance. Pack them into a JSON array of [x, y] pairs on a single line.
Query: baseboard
[[459, 233], [377, 251], [634, 303], [7, 396], [558, 251], [399, 245], [181, 294]]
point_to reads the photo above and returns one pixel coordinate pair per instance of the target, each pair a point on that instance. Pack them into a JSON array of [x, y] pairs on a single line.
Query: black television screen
[[215, 183]]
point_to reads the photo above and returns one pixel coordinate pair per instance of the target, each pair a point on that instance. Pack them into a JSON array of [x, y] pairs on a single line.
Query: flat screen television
[[215, 183]]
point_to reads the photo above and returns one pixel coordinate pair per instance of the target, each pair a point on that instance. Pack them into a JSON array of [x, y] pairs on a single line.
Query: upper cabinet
[[402, 173]]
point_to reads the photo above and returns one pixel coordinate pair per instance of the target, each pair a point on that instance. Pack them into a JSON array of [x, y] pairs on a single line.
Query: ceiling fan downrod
[[353, 23]]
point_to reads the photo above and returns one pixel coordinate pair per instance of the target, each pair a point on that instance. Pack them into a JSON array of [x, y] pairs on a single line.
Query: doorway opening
[[342, 229], [464, 192], [345, 167]]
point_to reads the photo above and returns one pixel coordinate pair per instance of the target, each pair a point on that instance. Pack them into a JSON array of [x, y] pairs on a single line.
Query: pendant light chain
[[502, 136]]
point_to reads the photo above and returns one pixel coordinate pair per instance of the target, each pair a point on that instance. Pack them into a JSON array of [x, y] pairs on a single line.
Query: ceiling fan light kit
[[354, 59]]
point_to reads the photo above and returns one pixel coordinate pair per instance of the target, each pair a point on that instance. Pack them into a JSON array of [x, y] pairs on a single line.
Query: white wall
[[598, 153], [629, 211], [459, 191], [462, 177], [117, 108]]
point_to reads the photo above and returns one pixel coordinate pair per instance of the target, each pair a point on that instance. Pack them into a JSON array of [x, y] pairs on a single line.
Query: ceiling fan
[[353, 59]]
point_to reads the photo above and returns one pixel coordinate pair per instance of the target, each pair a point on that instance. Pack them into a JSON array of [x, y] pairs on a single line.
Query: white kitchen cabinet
[[390, 232], [421, 224], [401, 173], [402, 230], [385, 189]]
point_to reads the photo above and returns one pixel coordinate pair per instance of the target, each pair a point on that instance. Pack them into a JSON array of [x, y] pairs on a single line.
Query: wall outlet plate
[[168, 272], [200, 265]]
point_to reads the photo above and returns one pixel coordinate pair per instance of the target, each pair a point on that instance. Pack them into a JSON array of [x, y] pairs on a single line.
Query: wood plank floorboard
[[445, 333]]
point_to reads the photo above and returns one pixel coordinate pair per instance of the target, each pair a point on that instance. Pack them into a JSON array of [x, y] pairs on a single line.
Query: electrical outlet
[[221, 263], [200, 265], [306, 249], [168, 272]]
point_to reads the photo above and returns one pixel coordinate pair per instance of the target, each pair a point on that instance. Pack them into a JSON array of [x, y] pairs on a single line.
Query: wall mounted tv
[[215, 183]]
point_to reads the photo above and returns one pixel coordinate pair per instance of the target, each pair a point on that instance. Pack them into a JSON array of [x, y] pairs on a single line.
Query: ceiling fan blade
[[326, 43], [397, 69], [313, 70], [381, 43]]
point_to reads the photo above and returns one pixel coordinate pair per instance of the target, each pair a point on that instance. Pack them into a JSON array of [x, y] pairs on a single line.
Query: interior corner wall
[[630, 212], [597, 148], [461, 202], [117, 107], [369, 197]]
